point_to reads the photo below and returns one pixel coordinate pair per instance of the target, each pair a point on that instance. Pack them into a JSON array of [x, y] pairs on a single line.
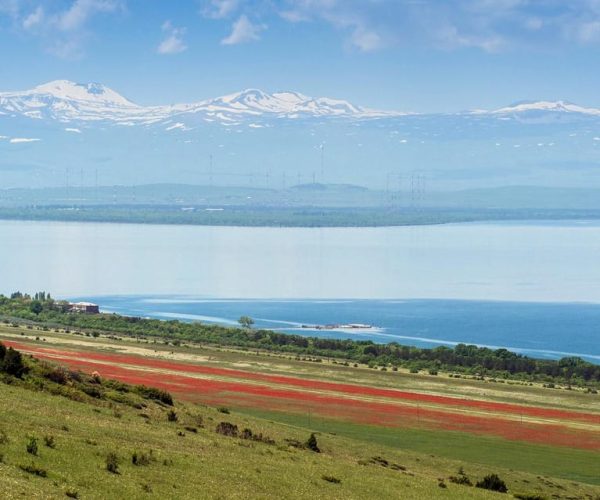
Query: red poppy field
[[355, 403]]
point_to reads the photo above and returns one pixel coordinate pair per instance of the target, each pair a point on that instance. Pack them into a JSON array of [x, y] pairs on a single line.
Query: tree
[[36, 307], [246, 321], [13, 363]]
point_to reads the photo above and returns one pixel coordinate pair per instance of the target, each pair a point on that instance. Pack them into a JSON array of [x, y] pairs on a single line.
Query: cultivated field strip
[[357, 403]]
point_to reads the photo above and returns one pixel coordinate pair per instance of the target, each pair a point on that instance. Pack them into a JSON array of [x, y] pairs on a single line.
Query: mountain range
[[67, 101], [261, 139]]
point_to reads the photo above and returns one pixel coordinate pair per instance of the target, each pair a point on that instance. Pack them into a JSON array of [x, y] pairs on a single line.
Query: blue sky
[[414, 55]]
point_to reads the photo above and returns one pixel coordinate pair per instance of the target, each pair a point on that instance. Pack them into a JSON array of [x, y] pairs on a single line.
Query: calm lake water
[[466, 268]]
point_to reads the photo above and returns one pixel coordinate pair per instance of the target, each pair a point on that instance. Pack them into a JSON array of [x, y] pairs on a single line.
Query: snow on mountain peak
[[65, 89], [555, 106], [65, 101]]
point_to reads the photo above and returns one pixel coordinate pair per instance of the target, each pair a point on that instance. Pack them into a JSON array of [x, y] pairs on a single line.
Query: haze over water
[[446, 279], [518, 261]]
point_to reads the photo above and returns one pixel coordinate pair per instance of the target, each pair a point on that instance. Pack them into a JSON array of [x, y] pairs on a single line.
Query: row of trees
[[462, 358]]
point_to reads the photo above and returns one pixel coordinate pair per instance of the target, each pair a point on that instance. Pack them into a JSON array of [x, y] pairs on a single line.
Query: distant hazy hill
[[305, 195]]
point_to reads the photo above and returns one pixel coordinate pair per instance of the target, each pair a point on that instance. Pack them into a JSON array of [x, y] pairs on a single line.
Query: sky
[[405, 55]]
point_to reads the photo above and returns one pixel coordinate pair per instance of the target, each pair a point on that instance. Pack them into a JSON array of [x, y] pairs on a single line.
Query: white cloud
[[243, 31], [19, 140], [62, 27], [82, 10], [34, 19], [74, 130], [220, 9], [489, 25], [173, 42], [589, 32], [366, 40]]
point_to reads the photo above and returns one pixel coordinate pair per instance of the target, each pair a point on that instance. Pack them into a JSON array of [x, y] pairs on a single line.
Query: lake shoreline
[[288, 217]]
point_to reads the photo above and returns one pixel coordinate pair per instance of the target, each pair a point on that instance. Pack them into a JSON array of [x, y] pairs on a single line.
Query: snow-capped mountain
[[266, 139], [66, 101], [543, 106]]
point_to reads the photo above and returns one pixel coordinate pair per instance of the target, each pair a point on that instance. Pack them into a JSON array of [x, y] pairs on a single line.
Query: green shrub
[[13, 363], [492, 482], [33, 469], [72, 494], [112, 463], [32, 446], [312, 445], [155, 394], [141, 458], [462, 478], [331, 479], [224, 410], [227, 429], [49, 441], [172, 416]]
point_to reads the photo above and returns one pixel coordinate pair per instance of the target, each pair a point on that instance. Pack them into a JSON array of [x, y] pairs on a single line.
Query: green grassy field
[[203, 464], [199, 464], [188, 459]]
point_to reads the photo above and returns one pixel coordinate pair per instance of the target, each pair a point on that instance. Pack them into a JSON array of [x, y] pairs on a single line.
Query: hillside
[[367, 448], [185, 457]]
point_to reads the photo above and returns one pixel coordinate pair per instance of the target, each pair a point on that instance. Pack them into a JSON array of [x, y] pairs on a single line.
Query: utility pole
[[322, 148]]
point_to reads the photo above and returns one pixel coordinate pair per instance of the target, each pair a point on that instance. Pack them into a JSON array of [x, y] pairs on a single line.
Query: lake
[[529, 286]]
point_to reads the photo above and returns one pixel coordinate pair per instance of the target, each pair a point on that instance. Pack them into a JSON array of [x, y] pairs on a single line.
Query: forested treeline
[[501, 363]]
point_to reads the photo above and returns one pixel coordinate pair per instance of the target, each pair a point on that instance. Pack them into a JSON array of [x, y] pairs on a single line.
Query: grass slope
[[186, 463], [188, 459]]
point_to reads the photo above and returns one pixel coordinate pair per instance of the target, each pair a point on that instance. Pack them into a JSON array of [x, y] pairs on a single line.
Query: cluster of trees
[[286, 216], [462, 358], [11, 362]]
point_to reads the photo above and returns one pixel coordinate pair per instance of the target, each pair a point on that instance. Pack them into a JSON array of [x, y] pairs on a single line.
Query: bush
[[112, 463], [224, 410], [155, 394], [227, 429], [33, 469], [462, 478], [32, 446], [49, 441], [58, 375], [141, 458], [492, 482], [13, 363], [312, 445], [331, 479], [72, 494], [172, 416]]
